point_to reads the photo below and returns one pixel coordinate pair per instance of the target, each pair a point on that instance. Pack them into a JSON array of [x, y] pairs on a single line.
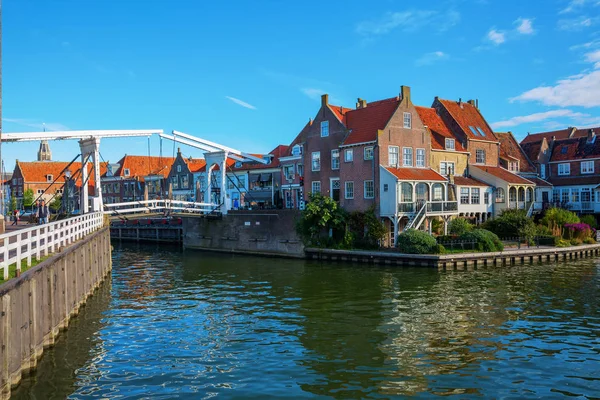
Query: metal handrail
[[416, 221]]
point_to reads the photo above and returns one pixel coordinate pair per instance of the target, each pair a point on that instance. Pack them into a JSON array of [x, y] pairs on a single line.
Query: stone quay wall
[[37, 305]]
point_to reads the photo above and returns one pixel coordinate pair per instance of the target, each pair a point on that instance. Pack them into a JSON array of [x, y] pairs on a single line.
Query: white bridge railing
[[160, 206], [41, 240]]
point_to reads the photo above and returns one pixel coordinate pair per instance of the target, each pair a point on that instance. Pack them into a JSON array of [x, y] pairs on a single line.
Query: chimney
[[591, 136], [178, 150], [324, 100], [471, 102], [360, 103], [405, 92], [460, 103], [477, 103], [310, 121]]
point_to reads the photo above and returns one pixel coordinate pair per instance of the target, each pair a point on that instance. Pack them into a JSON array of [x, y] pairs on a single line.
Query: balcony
[[433, 207]]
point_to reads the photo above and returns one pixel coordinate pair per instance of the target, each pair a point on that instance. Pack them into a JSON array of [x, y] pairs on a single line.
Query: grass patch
[[12, 269]]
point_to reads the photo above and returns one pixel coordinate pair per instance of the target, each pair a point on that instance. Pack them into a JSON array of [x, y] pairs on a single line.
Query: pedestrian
[[15, 217], [42, 213]]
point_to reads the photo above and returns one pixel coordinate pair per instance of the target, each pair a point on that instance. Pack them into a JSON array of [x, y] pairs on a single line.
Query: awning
[[254, 178], [258, 195], [265, 177]]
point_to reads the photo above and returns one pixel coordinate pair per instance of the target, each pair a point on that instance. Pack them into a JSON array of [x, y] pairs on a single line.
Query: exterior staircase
[[416, 219]]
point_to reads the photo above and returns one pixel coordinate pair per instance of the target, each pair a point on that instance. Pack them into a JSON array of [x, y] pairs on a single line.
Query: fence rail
[[160, 206], [42, 240]]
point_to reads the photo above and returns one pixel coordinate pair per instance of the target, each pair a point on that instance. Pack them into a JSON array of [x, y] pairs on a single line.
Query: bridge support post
[[91, 147], [218, 158]]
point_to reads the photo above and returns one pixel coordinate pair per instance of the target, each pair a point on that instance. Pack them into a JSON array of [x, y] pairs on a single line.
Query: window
[[335, 159], [587, 167], [349, 190], [473, 131], [446, 168], [316, 187], [324, 128], [348, 155], [288, 171], [482, 133], [513, 166], [369, 189], [174, 181], [393, 156], [480, 156], [564, 193], [486, 197], [586, 194], [407, 158], [126, 172], [184, 182], [407, 120], [316, 161], [464, 195], [421, 158], [564, 169], [179, 168], [300, 169], [556, 195], [238, 164], [475, 199], [297, 150], [512, 194], [500, 195], [543, 171], [368, 153], [49, 178], [385, 187], [40, 191], [438, 193], [449, 144], [575, 195]]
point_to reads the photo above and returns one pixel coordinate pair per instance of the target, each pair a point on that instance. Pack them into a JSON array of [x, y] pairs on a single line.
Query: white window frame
[[348, 155], [564, 169], [475, 196], [316, 187], [422, 163], [368, 150], [300, 169], [286, 171], [126, 172], [324, 128], [49, 178], [179, 168], [335, 156], [465, 195], [372, 189], [396, 151], [407, 120], [444, 167], [479, 152], [297, 150], [315, 157], [450, 144], [407, 162], [347, 185], [486, 197], [587, 167]]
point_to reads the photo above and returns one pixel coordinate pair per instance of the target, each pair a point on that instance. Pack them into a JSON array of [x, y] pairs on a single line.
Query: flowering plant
[[578, 230]]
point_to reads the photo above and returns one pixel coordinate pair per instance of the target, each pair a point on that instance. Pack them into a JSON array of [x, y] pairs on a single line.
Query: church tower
[[44, 153]]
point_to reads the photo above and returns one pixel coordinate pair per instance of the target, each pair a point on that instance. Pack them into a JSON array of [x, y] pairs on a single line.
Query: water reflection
[[197, 325]]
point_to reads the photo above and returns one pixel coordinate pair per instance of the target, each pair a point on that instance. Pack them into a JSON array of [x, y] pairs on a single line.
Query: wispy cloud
[[525, 26], [537, 117], [313, 93], [408, 21], [496, 37], [576, 24], [241, 103], [35, 124], [312, 88], [431, 58], [577, 5]]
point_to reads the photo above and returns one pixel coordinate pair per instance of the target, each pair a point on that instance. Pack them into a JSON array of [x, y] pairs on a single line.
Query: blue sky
[[250, 74]]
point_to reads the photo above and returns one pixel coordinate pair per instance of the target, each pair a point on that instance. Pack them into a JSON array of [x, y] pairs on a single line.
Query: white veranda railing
[[42, 240], [160, 206]]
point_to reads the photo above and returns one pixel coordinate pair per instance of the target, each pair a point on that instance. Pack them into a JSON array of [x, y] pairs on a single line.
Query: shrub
[[562, 243], [484, 240], [437, 226], [590, 220], [543, 230], [366, 229], [321, 215], [556, 218], [458, 226], [439, 249], [416, 242], [576, 242], [589, 240], [579, 231], [512, 223]]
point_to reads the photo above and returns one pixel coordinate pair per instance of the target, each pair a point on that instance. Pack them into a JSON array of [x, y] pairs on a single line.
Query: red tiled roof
[[364, 123], [467, 115], [194, 164], [416, 174], [532, 149], [510, 149], [37, 171], [340, 112], [466, 181], [575, 180], [503, 174], [559, 135], [230, 162], [540, 182], [439, 131], [575, 149], [140, 166]]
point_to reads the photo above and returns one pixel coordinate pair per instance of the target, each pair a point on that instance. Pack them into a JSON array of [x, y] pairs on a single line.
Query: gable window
[[480, 156], [368, 153], [348, 155], [40, 191], [316, 161], [587, 167], [407, 156], [369, 190], [407, 120], [316, 187], [393, 156], [335, 159], [297, 150], [184, 181], [449, 144], [126, 172], [446, 168], [475, 198], [288, 171], [564, 169], [179, 168], [543, 171], [464, 195], [349, 192], [421, 158], [300, 169], [174, 181], [324, 128]]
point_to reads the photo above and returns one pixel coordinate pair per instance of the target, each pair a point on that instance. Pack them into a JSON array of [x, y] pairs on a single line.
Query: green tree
[[28, 198], [56, 203], [320, 216], [365, 228], [556, 218], [512, 223], [13, 203], [458, 226]]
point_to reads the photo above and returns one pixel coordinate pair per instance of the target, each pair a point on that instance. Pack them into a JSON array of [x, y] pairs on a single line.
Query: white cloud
[[408, 21], [313, 93], [241, 103], [537, 117], [38, 126], [593, 57], [576, 5], [430, 58], [496, 37], [524, 26], [576, 24]]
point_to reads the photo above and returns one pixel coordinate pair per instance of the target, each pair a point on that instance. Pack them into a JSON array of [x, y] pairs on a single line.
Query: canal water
[[190, 325]]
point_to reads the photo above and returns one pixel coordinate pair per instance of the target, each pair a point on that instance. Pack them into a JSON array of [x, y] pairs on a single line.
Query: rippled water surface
[[173, 324]]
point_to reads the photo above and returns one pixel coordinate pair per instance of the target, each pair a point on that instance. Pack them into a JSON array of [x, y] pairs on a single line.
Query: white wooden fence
[[41, 240], [159, 206]]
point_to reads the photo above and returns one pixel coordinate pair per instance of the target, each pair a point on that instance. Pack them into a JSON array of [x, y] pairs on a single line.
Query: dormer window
[[126, 172], [324, 128], [238, 164], [449, 144], [297, 150], [49, 178]]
